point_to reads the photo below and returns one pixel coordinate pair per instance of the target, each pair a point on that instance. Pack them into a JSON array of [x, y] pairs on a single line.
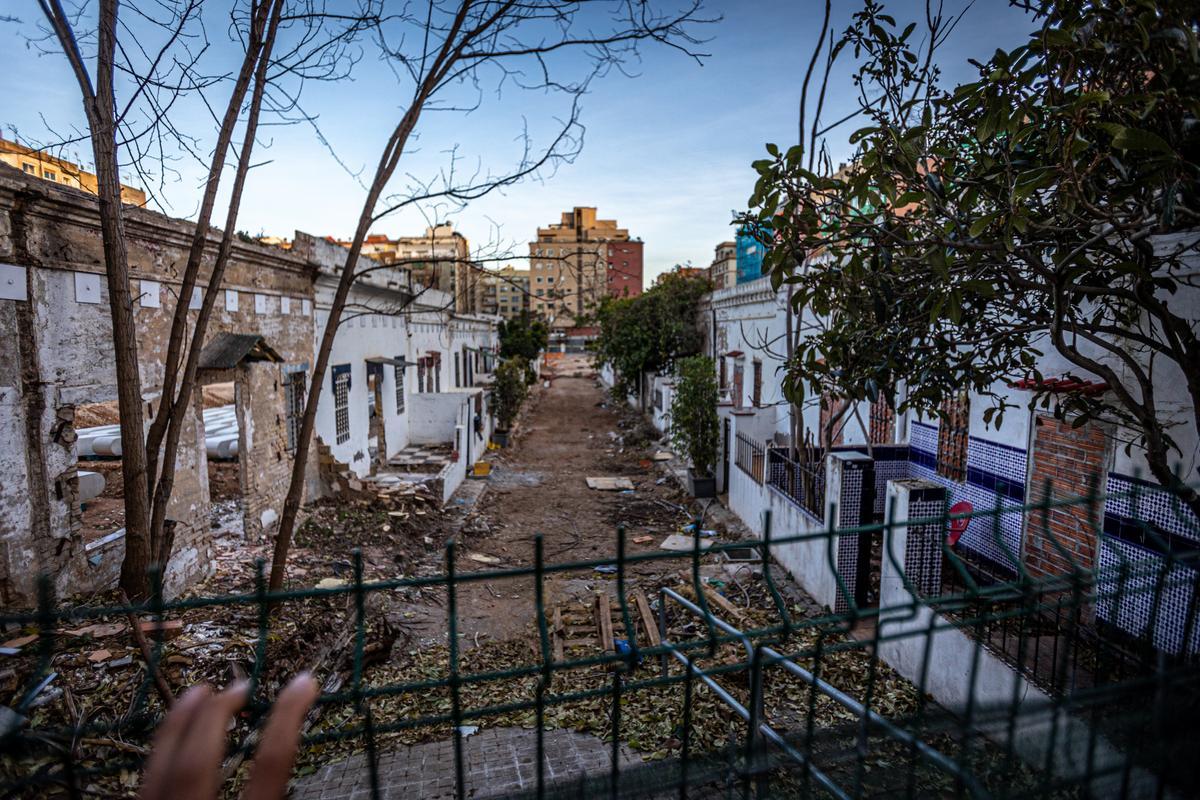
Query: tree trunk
[[174, 405], [291, 505], [181, 407], [102, 121]]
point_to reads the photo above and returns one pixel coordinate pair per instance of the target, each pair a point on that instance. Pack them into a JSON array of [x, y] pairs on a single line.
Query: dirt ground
[[568, 433]]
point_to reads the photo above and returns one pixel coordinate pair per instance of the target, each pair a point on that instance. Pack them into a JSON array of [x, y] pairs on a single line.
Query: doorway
[[376, 430]]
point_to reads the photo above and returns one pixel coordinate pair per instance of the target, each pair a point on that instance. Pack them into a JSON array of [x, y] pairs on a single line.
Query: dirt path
[[538, 486]]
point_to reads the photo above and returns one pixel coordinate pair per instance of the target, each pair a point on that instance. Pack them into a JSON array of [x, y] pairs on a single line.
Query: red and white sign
[[959, 526]]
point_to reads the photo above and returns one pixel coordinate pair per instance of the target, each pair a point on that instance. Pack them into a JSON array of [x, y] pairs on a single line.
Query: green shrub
[[694, 425], [509, 390]]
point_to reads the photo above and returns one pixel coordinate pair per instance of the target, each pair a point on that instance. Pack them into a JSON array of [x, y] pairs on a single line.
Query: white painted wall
[[959, 673]]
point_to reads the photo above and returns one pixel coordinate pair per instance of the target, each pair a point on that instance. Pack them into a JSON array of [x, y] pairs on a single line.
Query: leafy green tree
[[509, 390], [523, 336], [652, 331], [1048, 211], [694, 424]]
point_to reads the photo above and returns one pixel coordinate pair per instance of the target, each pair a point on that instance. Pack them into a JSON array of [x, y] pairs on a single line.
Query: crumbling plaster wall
[[57, 352]]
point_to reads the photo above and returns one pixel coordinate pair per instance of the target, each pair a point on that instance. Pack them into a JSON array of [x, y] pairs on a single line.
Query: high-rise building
[[570, 265], [723, 271]]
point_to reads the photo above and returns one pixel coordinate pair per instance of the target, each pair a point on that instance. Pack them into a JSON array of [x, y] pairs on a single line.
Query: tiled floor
[[496, 762]]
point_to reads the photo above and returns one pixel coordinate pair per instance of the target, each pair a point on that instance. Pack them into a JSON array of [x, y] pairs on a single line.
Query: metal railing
[[778, 672], [749, 456], [1046, 627], [802, 482]]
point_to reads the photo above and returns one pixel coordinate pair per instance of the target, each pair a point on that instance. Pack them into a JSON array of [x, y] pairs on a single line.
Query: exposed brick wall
[[1069, 459]]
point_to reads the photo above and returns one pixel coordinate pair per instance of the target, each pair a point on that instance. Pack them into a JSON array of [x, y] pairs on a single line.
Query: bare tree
[[316, 49], [439, 45]]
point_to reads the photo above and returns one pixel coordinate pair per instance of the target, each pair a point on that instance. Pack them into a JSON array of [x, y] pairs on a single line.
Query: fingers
[[190, 743], [167, 739], [279, 740]]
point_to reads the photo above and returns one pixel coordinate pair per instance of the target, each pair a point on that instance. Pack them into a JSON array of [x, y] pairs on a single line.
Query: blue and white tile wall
[[995, 482], [1142, 525]]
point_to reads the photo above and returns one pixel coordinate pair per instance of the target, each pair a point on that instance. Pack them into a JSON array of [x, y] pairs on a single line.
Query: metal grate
[[398, 376], [341, 406], [802, 481], [1109, 736], [293, 400], [749, 457]]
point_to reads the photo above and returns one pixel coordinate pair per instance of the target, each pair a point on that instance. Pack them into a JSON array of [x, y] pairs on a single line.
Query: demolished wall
[[56, 353]]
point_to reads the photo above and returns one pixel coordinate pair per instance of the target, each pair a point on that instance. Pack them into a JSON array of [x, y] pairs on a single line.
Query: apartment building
[[503, 292], [39, 164], [723, 271], [439, 259], [571, 263]]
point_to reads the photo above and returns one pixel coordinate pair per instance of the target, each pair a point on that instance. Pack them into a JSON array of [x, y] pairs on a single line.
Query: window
[[539, 278], [540, 292], [437, 375], [293, 401], [30, 169], [398, 374], [49, 175], [341, 403], [722, 376], [953, 438], [756, 388], [421, 374], [457, 372]]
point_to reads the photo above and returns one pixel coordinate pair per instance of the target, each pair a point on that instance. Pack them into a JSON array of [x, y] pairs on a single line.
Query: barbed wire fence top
[[763, 708]]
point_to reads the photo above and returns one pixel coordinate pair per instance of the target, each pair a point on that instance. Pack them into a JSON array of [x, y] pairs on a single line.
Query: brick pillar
[[1069, 460]]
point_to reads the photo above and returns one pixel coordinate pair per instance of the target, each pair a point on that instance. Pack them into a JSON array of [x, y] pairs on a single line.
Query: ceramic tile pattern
[[1140, 523], [995, 483]]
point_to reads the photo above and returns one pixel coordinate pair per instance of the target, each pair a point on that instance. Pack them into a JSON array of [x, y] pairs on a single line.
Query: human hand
[[185, 763]]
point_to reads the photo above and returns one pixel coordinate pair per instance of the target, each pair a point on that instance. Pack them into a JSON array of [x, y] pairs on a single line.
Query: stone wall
[[56, 353]]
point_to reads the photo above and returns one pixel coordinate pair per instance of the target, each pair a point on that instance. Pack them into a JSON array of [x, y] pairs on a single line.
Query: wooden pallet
[[595, 625]]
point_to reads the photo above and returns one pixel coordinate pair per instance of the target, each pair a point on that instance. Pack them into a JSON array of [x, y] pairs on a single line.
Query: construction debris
[[683, 544], [603, 484]]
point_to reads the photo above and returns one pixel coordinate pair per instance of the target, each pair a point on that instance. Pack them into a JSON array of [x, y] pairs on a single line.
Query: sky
[[666, 148]]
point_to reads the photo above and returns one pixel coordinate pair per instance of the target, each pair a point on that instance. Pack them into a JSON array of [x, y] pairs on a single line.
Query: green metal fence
[[790, 706]]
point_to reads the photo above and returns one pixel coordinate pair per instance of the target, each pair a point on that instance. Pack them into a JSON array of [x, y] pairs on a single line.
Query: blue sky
[[666, 152]]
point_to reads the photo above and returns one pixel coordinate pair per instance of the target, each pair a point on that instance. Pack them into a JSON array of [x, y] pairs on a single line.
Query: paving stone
[[497, 761]]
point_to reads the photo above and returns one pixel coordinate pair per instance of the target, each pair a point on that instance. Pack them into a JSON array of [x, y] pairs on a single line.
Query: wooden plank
[[719, 601], [558, 635], [604, 622], [643, 605]]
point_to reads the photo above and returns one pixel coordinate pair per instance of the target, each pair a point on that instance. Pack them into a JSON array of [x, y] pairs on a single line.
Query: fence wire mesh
[[983, 685]]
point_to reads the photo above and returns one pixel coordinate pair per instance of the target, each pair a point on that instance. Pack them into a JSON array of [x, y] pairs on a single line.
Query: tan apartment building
[[448, 269], [723, 271], [59, 171], [569, 265], [503, 292]]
